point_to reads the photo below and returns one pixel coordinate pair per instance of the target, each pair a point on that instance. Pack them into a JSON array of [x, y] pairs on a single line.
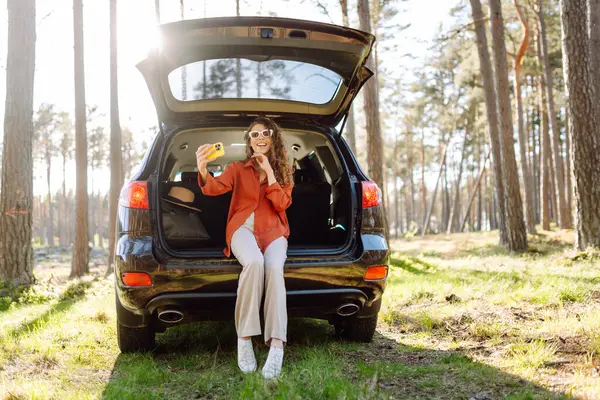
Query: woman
[[257, 231]]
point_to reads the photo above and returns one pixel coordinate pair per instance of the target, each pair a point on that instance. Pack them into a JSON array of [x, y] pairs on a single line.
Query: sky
[[54, 82]]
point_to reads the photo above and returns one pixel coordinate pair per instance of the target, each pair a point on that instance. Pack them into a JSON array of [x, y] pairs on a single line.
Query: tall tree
[[44, 125], [583, 123], [16, 195], [564, 214], [513, 206], [485, 67], [546, 165], [80, 260], [371, 97], [527, 180], [116, 163], [65, 148]]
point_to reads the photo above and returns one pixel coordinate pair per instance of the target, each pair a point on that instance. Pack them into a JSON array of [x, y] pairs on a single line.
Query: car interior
[[321, 206]]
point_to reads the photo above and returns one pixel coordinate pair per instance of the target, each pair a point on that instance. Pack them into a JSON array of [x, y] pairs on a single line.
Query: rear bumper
[[206, 289]]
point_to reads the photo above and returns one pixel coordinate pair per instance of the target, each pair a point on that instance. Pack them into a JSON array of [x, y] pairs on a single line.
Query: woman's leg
[[275, 306], [250, 283], [275, 294], [249, 294]]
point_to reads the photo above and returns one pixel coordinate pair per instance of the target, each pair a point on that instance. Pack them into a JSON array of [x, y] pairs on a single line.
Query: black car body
[[166, 273]]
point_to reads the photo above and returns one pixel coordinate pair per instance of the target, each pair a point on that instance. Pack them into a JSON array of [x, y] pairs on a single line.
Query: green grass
[[461, 317]]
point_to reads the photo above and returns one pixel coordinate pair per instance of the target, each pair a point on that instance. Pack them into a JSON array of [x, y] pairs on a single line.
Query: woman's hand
[[202, 155], [263, 162]]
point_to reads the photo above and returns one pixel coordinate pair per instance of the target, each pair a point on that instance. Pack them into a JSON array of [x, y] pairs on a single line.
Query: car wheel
[[133, 340], [357, 329]]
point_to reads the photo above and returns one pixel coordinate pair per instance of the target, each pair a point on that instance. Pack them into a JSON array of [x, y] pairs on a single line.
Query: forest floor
[[462, 319]]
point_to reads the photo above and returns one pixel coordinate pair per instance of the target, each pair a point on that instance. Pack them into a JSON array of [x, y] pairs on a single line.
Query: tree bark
[[485, 67], [80, 260], [563, 213], [515, 223], [116, 163], [527, 181], [545, 157], [583, 127], [371, 98], [16, 195]]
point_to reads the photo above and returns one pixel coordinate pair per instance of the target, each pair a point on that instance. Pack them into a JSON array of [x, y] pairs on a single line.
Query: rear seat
[[308, 215]]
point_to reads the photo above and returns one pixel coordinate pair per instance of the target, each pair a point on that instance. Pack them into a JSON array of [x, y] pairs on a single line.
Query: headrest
[[189, 177]]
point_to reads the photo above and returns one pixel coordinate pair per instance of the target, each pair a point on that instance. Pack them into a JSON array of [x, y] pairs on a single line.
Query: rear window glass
[[272, 79]]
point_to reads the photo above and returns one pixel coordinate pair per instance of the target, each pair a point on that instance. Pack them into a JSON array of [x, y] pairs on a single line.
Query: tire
[[357, 329], [133, 340]]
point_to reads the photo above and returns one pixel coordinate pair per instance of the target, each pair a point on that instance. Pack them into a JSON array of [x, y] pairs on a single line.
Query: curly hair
[[278, 156]]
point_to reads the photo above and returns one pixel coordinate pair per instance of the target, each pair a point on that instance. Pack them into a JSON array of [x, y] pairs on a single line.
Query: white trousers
[[261, 273]]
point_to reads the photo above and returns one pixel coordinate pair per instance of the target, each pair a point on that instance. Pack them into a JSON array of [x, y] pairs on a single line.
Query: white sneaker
[[273, 364], [246, 360]]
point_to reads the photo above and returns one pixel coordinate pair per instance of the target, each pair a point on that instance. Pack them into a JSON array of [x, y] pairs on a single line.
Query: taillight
[[136, 279], [371, 196], [134, 195], [376, 273]]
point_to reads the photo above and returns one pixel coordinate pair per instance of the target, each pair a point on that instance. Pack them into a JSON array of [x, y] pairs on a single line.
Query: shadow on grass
[[73, 294], [199, 361], [411, 264]]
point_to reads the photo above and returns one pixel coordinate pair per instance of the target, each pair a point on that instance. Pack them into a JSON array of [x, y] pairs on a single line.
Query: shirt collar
[[250, 163]]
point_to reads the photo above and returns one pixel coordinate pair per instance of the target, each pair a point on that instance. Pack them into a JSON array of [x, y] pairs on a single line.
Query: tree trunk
[[515, 224], [433, 196], [375, 155], [116, 163], [80, 258], [492, 114], [50, 231], [545, 158], [568, 164], [64, 232], [563, 213], [453, 214], [410, 200], [396, 180], [474, 192], [16, 195], [423, 186], [583, 127], [527, 181]]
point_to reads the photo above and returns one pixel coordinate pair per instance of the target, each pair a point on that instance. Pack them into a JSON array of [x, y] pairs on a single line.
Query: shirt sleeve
[[281, 197], [219, 185]]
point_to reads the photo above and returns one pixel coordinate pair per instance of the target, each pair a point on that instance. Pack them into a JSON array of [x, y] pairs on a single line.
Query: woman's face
[[261, 139]]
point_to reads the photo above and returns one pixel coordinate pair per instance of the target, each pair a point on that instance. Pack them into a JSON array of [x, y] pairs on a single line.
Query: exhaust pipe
[[345, 310], [170, 315]]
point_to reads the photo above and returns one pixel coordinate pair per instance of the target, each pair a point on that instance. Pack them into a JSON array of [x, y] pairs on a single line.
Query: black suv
[[209, 80]]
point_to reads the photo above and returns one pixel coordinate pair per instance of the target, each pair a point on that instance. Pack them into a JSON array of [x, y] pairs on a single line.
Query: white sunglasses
[[264, 133]]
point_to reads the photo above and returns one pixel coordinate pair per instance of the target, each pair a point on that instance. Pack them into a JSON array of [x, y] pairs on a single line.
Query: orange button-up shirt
[[267, 202]]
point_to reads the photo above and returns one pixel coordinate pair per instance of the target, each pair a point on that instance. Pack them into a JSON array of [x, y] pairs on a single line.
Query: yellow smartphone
[[219, 151]]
